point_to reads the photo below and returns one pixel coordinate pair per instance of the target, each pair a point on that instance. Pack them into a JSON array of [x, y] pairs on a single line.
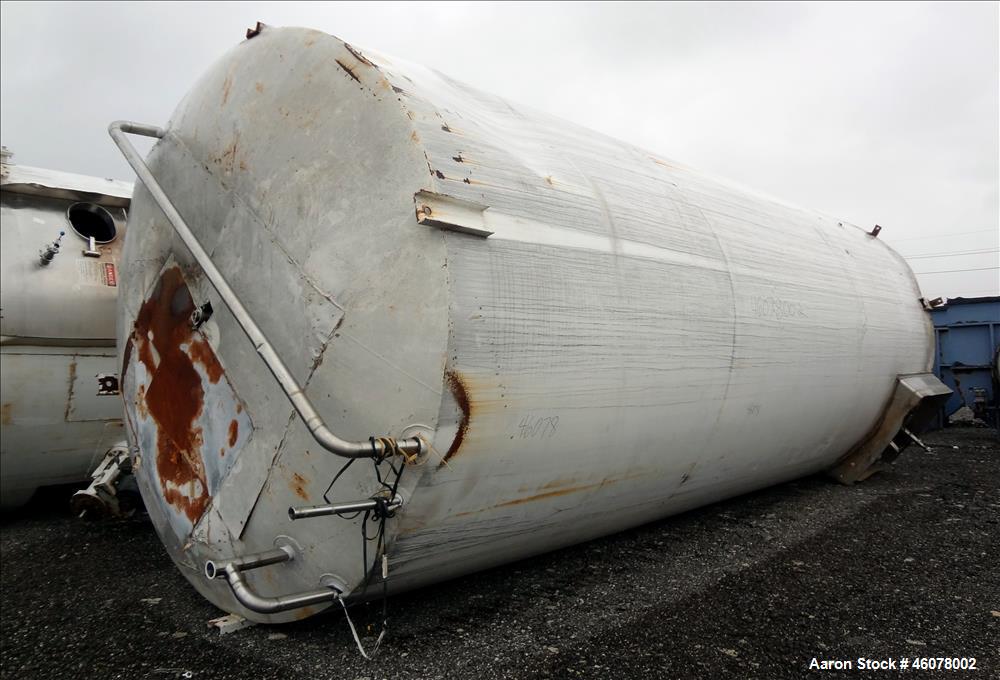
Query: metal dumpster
[[968, 347]]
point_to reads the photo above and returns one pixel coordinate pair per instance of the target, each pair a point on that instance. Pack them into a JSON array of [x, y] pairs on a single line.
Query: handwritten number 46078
[[535, 427]]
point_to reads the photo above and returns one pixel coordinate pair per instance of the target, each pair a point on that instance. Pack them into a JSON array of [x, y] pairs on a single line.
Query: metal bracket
[[376, 447], [91, 249]]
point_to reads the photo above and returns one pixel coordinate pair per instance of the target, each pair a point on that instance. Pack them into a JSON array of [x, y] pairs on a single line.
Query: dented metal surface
[[589, 336], [58, 370]]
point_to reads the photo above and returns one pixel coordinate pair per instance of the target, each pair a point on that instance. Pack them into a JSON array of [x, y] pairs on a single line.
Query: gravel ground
[[903, 565]]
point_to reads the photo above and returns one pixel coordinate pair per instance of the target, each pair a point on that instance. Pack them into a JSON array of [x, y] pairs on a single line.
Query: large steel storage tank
[[588, 336], [60, 246]]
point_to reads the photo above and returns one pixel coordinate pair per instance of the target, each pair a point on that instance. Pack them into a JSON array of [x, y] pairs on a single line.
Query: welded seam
[[288, 426], [242, 201]]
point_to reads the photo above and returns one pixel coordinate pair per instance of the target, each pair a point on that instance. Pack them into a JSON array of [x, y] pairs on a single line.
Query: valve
[[46, 255]]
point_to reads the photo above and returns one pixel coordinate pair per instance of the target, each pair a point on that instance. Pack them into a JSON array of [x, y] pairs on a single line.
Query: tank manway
[[380, 329]]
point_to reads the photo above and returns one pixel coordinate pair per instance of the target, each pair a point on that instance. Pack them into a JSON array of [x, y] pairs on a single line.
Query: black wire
[[381, 514], [335, 478]]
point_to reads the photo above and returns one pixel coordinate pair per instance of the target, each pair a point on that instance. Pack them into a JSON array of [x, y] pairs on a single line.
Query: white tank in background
[[569, 334], [61, 236]]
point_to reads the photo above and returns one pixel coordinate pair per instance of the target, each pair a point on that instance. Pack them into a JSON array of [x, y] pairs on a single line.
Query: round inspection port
[[90, 220]]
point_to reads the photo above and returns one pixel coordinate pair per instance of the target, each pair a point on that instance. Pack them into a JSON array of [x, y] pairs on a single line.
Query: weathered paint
[[591, 336], [181, 400], [454, 381]]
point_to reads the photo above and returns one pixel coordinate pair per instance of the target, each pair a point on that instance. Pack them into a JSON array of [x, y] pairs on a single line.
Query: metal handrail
[[377, 447]]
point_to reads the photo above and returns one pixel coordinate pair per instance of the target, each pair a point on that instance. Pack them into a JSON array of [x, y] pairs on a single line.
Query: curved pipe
[[320, 432], [232, 571]]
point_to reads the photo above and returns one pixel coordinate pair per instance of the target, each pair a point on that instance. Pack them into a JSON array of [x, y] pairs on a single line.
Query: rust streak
[[357, 55], [234, 432], [298, 485], [347, 69], [227, 85], [461, 395], [548, 494]]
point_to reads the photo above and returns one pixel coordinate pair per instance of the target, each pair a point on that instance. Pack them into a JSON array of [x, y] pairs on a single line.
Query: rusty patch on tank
[[234, 432], [461, 396], [298, 485], [6, 412], [304, 613], [201, 351], [175, 396], [557, 483], [549, 494]]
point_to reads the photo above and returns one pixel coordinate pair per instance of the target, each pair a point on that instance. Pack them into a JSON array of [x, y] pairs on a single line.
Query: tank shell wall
[[58, 333], [633, 339]]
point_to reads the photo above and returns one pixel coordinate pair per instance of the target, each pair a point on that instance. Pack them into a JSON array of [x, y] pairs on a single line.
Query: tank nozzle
[[50, 251]]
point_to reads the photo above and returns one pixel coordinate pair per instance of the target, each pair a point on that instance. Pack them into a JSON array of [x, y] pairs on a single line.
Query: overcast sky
[[872, 112]]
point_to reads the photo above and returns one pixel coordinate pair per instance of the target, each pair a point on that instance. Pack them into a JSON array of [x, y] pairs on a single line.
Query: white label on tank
[[96, 273]]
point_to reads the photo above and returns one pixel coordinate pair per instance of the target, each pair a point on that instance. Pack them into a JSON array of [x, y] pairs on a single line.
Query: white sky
[[872, 112]]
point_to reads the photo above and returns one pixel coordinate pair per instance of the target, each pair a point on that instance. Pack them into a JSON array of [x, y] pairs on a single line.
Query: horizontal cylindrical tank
[[589, 336], [60, 247]]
